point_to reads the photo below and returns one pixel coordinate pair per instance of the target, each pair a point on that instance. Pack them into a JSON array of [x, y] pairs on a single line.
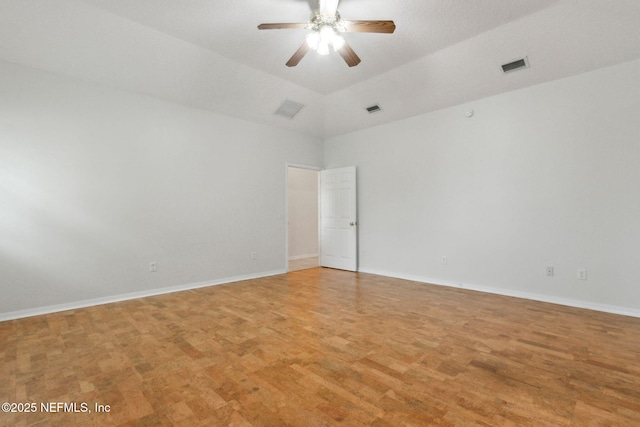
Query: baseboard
[[129, 296], [295, 257], [625, 311]]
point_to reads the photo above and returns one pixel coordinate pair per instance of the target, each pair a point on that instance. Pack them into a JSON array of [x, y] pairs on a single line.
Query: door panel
[[338, 221]]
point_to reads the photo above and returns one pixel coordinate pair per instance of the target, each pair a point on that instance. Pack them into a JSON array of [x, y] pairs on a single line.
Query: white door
[[338, 220]]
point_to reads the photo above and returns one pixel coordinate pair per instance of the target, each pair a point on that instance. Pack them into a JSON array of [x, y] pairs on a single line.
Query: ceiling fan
[[326, 26]]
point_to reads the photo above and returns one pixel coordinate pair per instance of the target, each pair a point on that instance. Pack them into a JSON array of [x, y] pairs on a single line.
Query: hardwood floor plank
[[323, 347]]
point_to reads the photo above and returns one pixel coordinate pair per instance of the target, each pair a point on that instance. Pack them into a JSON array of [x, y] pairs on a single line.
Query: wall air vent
[[374, 109], [289, 109], [515, 65]]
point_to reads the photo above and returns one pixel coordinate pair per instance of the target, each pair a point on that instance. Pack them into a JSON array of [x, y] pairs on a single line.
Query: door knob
[[352, 223]]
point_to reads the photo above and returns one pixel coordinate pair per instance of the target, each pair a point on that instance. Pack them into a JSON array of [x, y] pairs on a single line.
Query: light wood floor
[[303, 264], [323, 347]]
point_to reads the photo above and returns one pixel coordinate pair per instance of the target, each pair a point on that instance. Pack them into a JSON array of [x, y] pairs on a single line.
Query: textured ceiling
[[209, 54], [228, 27]]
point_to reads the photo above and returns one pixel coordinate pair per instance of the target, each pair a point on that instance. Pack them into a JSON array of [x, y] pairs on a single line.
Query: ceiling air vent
[[374, 109], [515, 65], [289, 109]]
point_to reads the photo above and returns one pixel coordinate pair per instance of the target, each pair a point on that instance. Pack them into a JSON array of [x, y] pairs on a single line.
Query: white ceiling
[[228, 27], [209, 53]]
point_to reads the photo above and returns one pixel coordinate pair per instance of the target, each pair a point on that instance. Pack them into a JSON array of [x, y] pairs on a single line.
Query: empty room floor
[[323, 347], [303, 263]]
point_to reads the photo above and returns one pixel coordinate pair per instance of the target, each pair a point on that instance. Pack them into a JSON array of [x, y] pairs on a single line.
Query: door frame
[[286, 208]]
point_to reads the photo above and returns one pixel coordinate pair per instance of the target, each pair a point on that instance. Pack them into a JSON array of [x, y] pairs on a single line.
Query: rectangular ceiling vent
[[289, 109], [374, 109], [515, 65]]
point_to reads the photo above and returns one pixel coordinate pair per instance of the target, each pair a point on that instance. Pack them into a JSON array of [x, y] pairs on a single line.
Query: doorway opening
[[303, 216]]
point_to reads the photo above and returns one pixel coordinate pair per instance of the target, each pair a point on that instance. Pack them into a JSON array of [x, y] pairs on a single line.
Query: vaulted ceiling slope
[[209, 54]]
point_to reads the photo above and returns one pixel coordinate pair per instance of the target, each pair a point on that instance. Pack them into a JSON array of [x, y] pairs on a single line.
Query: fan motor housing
[[318, 21]]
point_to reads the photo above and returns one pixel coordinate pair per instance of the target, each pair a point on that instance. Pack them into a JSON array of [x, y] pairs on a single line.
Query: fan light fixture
[[325, 25], [322, 39]]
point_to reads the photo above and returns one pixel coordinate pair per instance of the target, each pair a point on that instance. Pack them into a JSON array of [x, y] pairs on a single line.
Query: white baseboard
[[129, 296], [625, 311], [160, 291], [295, 257]]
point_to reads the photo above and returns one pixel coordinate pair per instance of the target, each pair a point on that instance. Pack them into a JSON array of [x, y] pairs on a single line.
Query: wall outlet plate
[[582, 274]]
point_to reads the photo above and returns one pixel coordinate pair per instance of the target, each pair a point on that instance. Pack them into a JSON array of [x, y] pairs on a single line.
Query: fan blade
[[328, 7], [282, 26], [387, 27], [300, 53], [349, 55]]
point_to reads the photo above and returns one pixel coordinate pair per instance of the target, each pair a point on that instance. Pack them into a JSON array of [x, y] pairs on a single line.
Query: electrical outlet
[[444, 260], [582, 274], [549, 271], [254, 256], [153, 267]]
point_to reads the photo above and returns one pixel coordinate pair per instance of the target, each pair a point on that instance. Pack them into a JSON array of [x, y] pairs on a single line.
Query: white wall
[[303, 213], [96, 183], [544, 176]]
